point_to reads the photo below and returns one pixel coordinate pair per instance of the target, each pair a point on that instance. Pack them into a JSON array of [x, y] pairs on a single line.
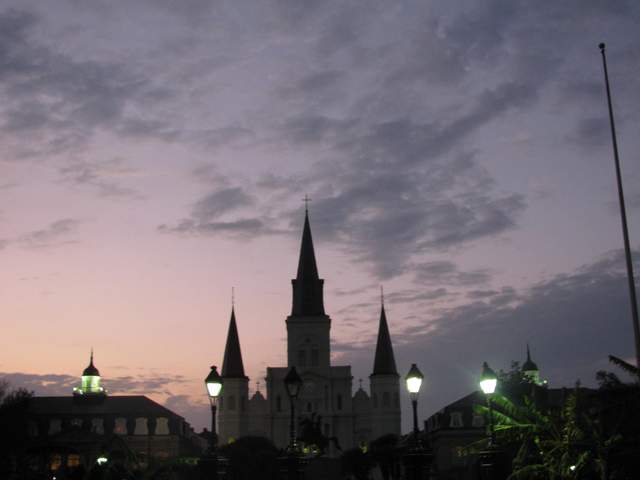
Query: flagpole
[[623, 216]]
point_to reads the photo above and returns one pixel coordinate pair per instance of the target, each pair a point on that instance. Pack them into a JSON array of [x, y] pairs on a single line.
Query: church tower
[[308, 326], [232, 407], [384, 384]]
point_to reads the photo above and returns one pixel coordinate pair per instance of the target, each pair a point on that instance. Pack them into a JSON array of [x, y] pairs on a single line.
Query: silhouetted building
[[327, 389], [72, 432]]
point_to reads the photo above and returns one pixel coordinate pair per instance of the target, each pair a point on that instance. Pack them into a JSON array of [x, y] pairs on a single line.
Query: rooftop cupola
[[90, 381]]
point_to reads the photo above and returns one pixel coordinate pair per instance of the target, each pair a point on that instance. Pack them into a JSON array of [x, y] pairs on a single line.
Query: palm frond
[[626, 366]]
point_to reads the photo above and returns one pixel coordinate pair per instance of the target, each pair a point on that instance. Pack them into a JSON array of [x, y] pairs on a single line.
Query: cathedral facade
[[327, 391]]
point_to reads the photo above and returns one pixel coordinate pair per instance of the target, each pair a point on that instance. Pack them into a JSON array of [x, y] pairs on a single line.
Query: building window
[[339, 402], [76, 422], [162, 426], [327, 430], [220, 402], [73, 460], [121, 426], [278, 403], [55, 426], [55, 462], [478, 421], [308, 406], [386, 401], [315, 356], [375, 400], [243, 403], [32, 428], [231, 400], [97, 426], [142, 426], [456, 420], [396, 400], [302, 358]]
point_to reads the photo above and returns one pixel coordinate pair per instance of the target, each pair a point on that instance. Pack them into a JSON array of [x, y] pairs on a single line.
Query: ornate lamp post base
[[417, 463], [208, 466], [291, 466], [490, 465]]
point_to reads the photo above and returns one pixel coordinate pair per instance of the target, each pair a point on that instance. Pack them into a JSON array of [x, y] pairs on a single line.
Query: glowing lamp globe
[[213, 383], [293, 383], [414, 380], [488, 379]]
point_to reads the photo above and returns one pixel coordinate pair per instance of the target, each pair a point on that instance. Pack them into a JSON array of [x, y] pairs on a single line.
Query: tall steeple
[[232, 366], [385, 362], [307, 286]]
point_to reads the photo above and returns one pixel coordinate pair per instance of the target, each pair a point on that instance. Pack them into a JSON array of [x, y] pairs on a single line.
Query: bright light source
[[414, 384], [572, 468], [101, 460], [414, 379], [213, 383], [488, 386], [488, 379]]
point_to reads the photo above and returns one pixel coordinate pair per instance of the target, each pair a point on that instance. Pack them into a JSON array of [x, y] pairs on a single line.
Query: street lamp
[[488, 382], [417, 459], [414, 382], [293, 383], [214, 387]]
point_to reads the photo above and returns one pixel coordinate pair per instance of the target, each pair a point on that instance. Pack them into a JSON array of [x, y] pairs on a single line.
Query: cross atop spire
[[306, 201], [382, 296], [233, 298]]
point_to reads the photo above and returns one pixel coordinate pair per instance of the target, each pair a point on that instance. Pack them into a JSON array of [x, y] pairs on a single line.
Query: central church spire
[[307, 286], [232, 366]]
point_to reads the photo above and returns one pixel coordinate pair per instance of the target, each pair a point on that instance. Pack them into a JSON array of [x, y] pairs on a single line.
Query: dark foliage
[[250, 458], [385, 453], [356, 463], [13, 429]]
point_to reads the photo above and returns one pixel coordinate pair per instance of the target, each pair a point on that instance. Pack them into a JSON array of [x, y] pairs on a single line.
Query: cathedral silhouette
[[327, 389]]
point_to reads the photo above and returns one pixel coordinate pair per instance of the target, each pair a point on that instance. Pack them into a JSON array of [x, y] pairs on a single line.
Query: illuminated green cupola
[[530, 369], [90, 381]]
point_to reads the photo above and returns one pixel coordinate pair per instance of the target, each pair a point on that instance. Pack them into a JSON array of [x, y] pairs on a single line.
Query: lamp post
[[488, 458], [213, 383], [488, 382], [290, 464], [416, 460], [293, 383], [414, 382]]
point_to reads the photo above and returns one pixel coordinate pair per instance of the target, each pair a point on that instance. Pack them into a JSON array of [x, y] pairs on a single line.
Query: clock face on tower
[[309, 386]]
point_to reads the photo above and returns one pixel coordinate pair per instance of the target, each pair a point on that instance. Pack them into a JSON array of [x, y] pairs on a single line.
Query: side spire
[[307, 286], [529, 365], [232, 366], [384, 362]]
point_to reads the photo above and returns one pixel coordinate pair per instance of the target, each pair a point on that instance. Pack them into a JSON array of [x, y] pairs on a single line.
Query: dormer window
[[456, 420]]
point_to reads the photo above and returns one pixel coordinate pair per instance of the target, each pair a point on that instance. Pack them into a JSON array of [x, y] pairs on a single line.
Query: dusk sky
[[154, 154]]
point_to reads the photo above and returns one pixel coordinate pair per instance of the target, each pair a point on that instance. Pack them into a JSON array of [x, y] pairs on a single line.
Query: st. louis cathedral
[[327, 389]]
